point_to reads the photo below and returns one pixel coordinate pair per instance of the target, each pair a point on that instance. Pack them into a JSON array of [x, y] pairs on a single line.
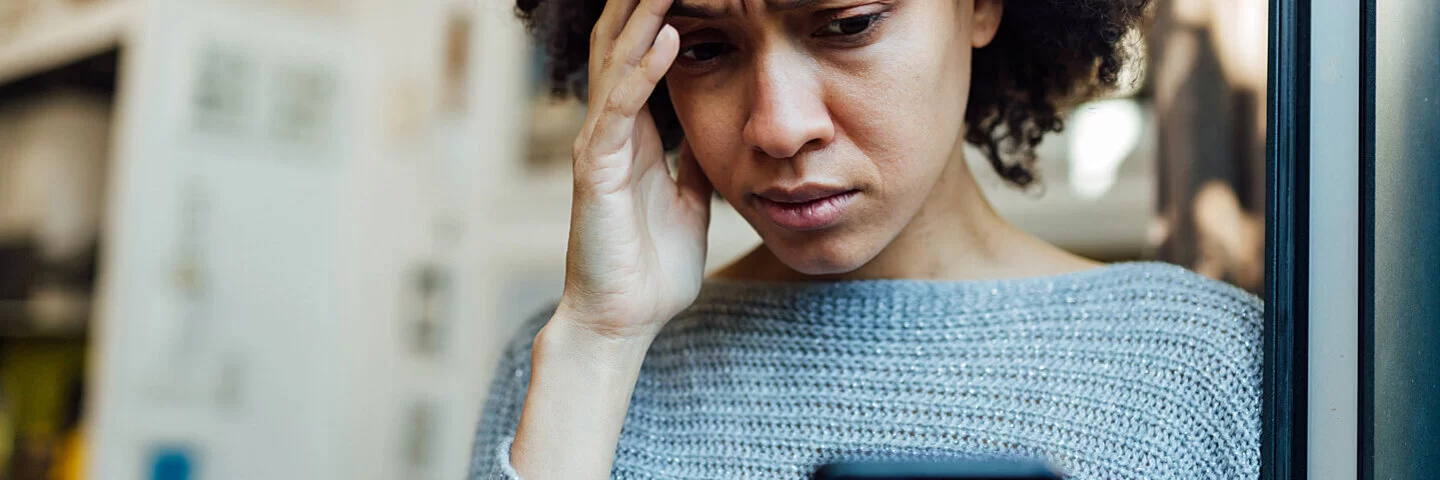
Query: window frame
[[1284, 386]]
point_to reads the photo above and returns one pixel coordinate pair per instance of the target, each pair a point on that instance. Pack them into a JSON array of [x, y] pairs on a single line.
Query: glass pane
[[1406, 348]]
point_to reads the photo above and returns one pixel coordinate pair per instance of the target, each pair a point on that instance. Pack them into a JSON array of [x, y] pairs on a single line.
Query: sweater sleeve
[[500, 417], [1240, 424]]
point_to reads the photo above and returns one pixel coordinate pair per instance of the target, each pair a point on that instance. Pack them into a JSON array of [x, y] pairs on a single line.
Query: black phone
[[958, 469]]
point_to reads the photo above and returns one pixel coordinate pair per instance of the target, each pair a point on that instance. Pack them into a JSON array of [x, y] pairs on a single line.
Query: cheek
[[902, 105], [712, 119]]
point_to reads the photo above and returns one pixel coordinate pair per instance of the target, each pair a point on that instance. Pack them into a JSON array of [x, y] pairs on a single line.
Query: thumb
[[694, 186]]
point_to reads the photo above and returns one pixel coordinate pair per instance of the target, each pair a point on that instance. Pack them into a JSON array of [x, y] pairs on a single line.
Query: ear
[[985, 21]]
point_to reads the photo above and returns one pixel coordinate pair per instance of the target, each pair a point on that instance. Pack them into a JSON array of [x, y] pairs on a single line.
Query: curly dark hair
[[1047, 56]]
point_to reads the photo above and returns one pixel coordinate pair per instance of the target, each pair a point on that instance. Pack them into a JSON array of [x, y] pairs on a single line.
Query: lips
[[808, 207], [801, 194]]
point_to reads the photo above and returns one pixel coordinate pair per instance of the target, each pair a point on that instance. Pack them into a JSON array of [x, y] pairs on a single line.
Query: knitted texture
[[1135, 370]]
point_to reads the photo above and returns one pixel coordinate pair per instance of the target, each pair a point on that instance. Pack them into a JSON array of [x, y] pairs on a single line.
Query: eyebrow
[[690, 10]]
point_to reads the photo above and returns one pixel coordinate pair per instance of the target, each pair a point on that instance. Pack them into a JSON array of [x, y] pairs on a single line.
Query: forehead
[[726, 8]]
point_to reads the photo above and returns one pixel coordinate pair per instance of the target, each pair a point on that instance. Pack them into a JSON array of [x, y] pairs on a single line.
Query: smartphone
[[937, 470]]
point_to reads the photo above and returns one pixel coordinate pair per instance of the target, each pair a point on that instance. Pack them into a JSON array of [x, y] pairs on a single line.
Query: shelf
[[30, 334], [61, 39], [18, 323]]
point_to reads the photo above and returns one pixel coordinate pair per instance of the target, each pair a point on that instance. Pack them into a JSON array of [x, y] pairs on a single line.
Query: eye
[[702, 52], [848, 26]]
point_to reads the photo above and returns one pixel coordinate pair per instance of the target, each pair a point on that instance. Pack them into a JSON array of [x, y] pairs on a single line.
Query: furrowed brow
[[690, 10]]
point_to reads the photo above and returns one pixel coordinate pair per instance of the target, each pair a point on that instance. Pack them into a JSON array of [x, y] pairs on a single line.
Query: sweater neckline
[[883, 295]]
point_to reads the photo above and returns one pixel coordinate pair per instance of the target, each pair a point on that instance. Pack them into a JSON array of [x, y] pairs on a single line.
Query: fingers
[[639, 32], [607, 28], [624, 32], [628, 96], [693, 186]]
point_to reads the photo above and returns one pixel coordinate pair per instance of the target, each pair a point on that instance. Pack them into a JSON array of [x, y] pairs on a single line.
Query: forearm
[[580, 387]]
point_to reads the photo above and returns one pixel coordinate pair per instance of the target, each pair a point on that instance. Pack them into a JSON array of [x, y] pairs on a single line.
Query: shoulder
[[1170, 293], [1208, 334], [1199, 316], [1163, 277], [1192, 318]]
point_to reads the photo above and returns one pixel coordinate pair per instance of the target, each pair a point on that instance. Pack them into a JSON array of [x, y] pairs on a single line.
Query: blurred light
[[1102, 135]]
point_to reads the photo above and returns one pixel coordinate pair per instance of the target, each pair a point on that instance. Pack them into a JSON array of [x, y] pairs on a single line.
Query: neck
[[956, 235]]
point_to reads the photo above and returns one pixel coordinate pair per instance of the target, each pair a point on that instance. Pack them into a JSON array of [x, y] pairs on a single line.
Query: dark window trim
[[1366, 416], [1283, 431]]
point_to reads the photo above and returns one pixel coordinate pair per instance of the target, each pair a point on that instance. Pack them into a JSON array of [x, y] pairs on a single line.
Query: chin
[[828, 256]]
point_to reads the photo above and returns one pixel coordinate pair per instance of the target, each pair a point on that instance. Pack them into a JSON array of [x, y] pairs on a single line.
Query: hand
[[636, 255]]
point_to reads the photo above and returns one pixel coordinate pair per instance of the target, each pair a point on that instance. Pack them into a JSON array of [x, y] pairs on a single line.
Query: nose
[[788, 110]]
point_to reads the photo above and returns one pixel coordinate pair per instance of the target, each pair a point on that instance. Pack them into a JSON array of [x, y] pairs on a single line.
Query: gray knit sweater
[[1135, 370]]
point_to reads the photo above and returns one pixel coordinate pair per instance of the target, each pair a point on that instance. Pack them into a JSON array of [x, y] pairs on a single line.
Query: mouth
[[806, 208]]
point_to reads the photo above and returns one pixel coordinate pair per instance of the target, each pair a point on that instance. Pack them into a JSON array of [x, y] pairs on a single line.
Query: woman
[[889, 312]]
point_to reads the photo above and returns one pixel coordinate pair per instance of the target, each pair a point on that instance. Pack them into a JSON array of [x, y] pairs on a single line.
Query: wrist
[[618, 326], [577, 341], [575, 406]]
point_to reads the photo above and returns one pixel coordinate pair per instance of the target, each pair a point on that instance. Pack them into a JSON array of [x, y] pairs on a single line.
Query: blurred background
[[285, 239]]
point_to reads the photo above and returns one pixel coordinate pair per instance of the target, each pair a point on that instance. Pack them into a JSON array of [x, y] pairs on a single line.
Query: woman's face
[[858, 102]]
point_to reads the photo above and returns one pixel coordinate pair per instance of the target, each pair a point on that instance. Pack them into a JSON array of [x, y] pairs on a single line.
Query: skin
[[879, 111]]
